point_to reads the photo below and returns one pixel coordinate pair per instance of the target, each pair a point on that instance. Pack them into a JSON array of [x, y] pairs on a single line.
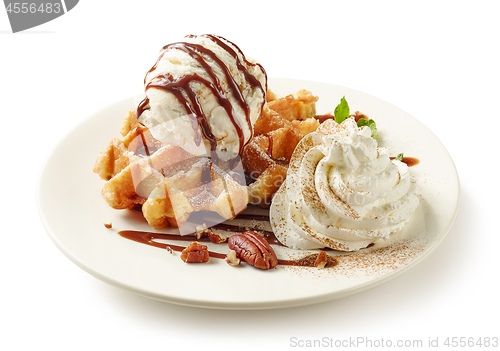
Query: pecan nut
[[321, 260], [217, 238], [195, 253], [253, 249]]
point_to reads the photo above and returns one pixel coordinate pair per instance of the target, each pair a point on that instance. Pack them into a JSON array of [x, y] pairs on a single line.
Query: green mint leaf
[[399, 157], [341, 111], [362, 122], [373, 127], [370, 123]]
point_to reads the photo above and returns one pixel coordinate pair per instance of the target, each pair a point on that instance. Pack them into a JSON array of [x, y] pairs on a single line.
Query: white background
[[437, 60]]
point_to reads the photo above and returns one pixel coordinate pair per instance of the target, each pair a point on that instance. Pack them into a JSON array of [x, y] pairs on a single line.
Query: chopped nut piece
[[169, 250], [201, 227], [321, 260], [202, 232], [232, 258], [195, 253], [217, 238], [108, 225]]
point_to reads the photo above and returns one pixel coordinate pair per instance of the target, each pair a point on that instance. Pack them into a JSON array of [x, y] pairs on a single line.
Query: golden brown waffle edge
[[169, 183], [284, 122]]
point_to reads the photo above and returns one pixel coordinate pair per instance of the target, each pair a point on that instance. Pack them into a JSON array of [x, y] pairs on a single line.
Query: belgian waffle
[[167, 182], [284, 122]]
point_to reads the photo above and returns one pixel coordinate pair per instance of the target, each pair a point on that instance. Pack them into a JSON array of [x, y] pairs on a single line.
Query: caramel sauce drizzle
[[149, 238], [410, 161]]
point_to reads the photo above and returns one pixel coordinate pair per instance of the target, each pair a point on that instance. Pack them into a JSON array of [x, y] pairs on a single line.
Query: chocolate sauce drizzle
[[150, 238], [182, 89]]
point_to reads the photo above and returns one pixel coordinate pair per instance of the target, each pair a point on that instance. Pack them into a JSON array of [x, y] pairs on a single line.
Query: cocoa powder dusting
[[378, 261], [366, 262]]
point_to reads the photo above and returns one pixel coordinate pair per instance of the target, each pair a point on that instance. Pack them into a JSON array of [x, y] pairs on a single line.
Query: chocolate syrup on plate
[[150, 238]]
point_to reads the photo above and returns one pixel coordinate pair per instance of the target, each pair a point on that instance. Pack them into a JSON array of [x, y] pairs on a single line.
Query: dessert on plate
[[209, 139], [180, 148]]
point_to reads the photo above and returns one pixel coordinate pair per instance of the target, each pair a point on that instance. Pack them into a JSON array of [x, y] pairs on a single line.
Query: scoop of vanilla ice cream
[[341, 191], [204, 95]]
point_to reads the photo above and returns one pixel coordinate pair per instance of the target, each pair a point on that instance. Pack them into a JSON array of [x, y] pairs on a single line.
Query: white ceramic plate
[[73, 212]]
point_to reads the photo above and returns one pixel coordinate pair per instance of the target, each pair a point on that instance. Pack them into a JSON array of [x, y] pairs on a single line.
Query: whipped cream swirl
[[342, 191]]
